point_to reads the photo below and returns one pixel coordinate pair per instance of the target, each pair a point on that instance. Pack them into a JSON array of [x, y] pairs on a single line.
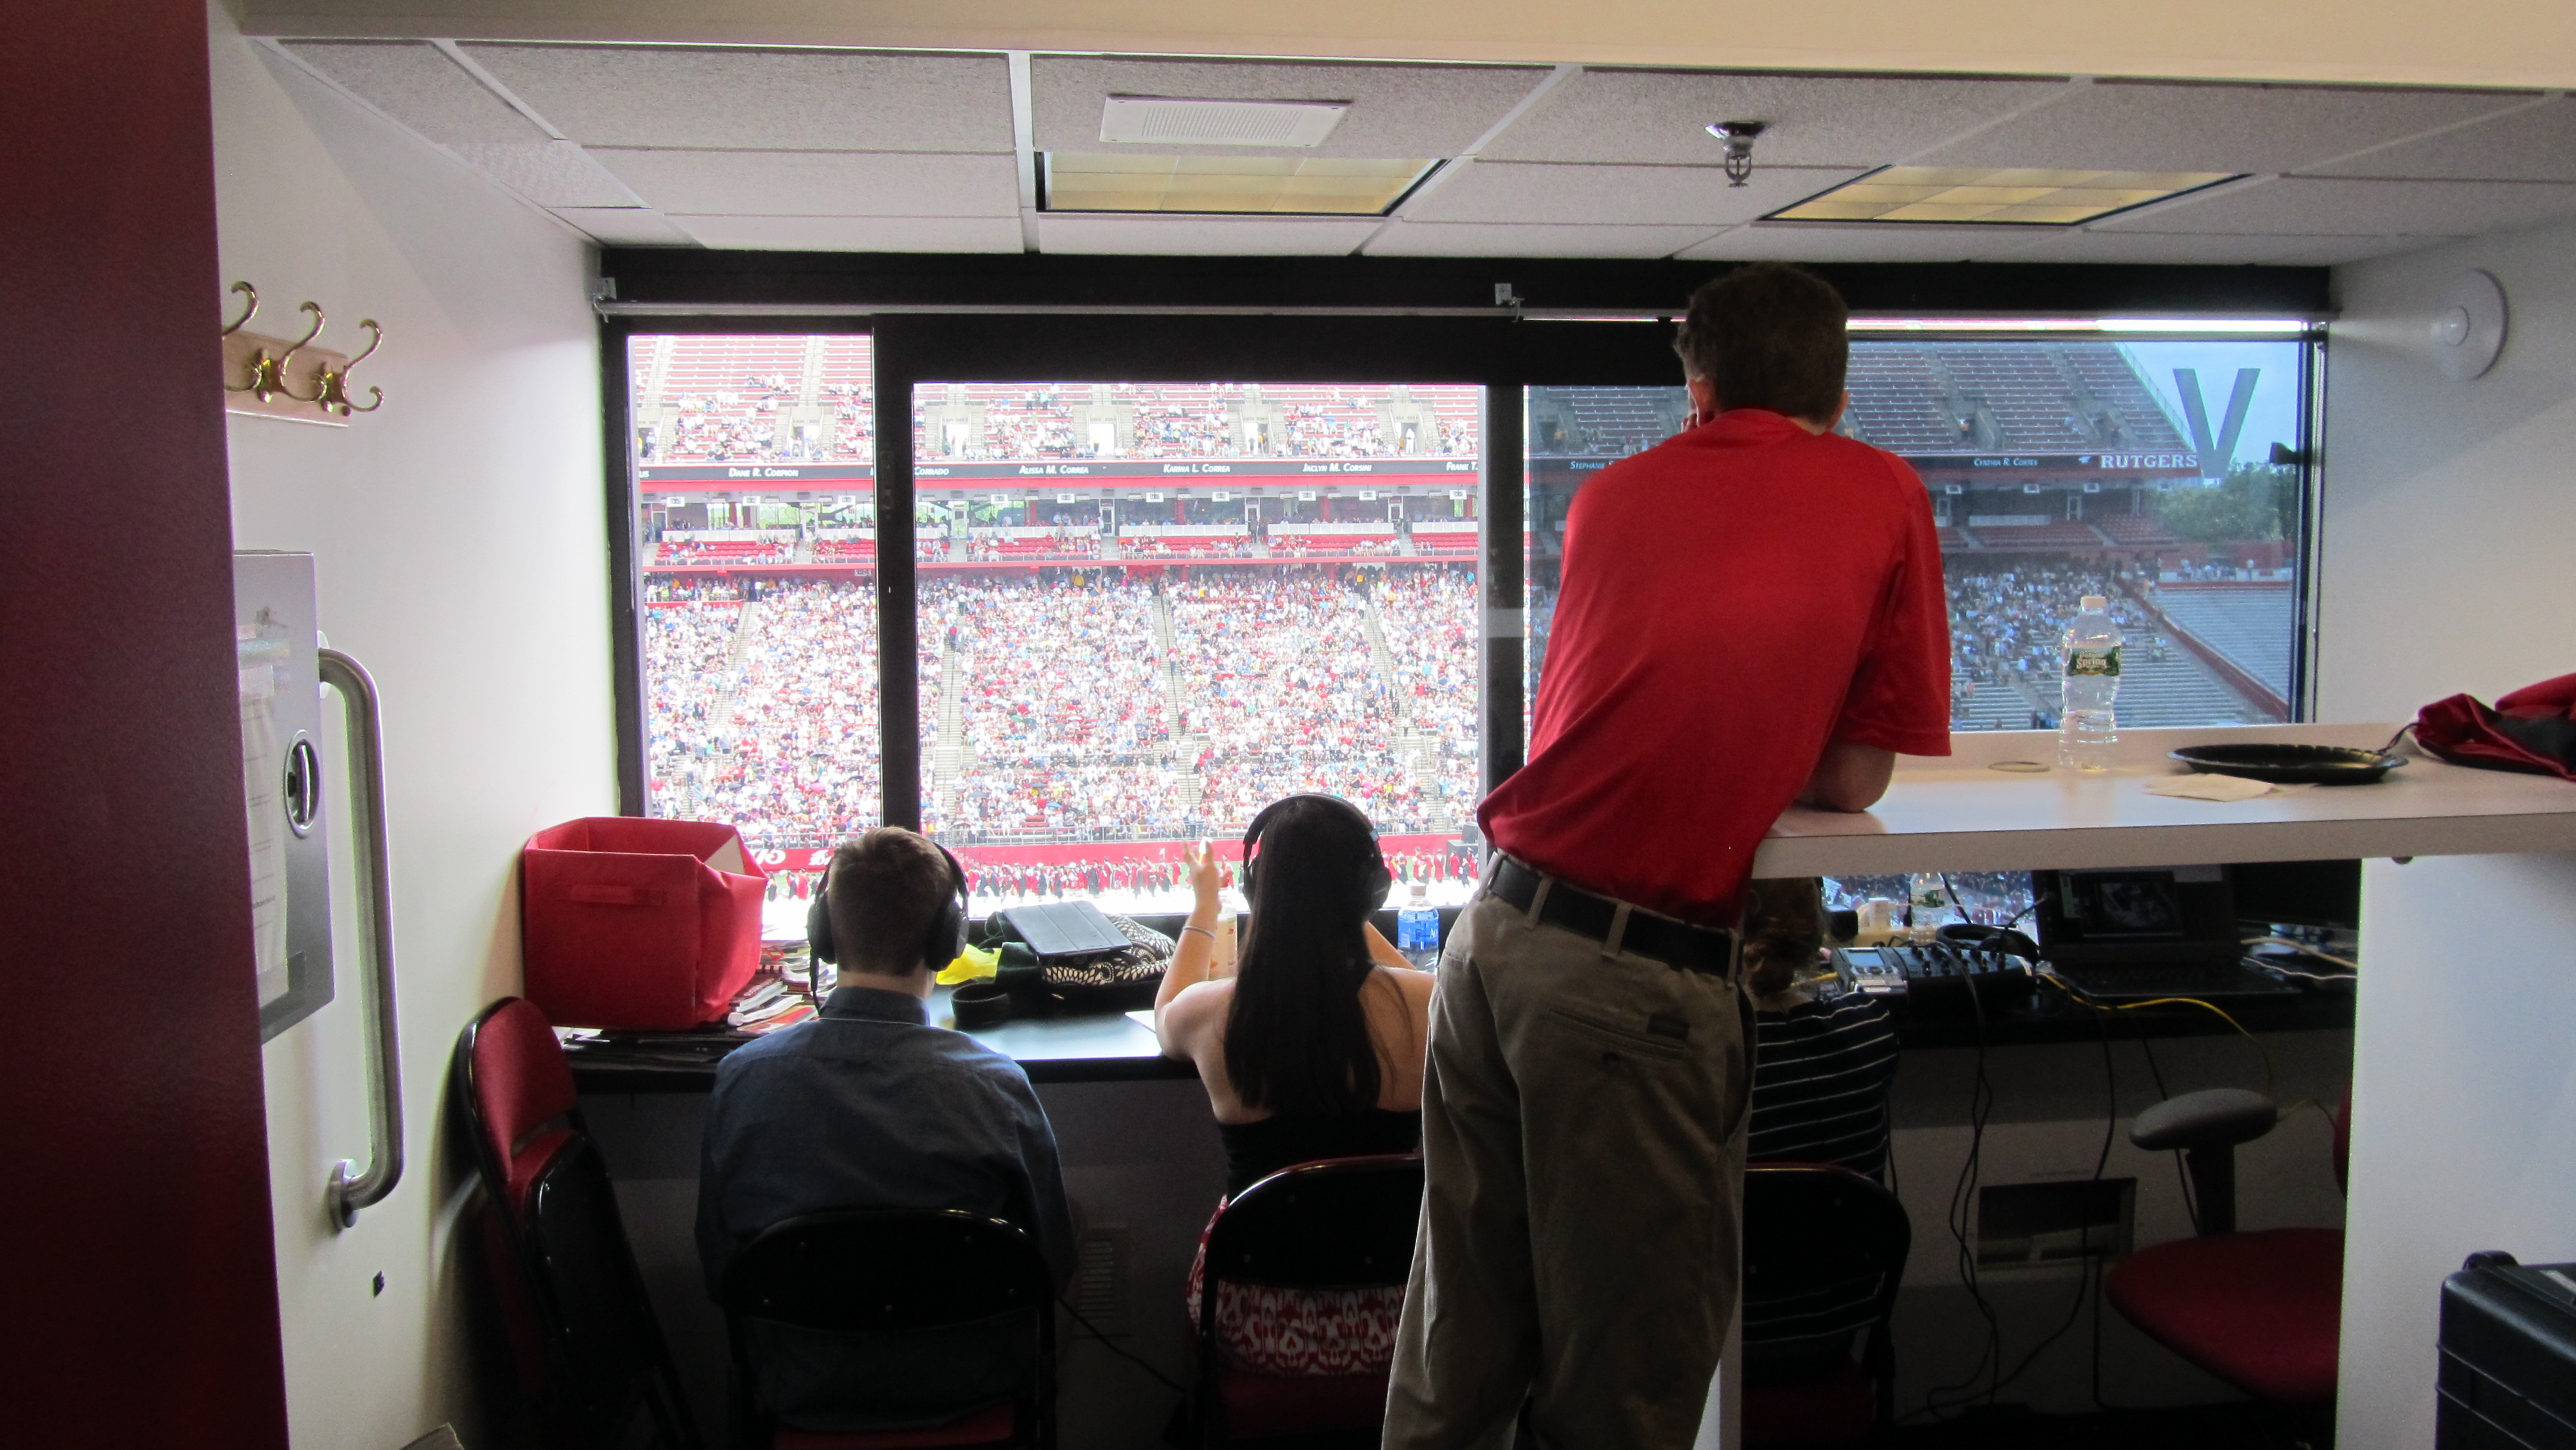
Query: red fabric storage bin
[[629, 923]]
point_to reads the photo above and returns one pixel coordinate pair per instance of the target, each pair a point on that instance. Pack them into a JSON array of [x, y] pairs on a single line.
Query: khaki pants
[[1583, 1134]]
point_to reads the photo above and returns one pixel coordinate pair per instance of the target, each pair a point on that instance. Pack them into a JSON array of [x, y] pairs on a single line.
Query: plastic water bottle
[[2086, 728], [1417, 930]]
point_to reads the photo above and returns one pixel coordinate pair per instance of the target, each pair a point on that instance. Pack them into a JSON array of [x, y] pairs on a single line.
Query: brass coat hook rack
[[270, 377]]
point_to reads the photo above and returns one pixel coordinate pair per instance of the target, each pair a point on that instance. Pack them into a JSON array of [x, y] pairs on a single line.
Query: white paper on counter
[[2209, 787]]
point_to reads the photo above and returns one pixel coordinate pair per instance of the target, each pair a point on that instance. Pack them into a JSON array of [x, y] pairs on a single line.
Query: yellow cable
[[2271, 1077]]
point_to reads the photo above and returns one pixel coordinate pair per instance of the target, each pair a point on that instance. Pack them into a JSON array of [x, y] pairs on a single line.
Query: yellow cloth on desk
[[972, 963]]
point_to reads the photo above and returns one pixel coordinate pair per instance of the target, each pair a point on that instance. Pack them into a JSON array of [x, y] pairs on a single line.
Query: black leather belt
[[1708, 950]]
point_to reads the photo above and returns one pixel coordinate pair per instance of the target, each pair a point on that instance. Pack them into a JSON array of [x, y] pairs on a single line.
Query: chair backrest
[[581, 1326], [1824, 1254], [607, 1339], [857, 1270], [1342, 1223], [513, 1087]]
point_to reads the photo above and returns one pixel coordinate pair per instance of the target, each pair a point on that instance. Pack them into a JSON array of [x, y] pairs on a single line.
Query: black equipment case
[[2508, 1356]]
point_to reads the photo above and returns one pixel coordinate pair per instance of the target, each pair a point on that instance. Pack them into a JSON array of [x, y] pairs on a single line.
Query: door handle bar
[[351, 1189]]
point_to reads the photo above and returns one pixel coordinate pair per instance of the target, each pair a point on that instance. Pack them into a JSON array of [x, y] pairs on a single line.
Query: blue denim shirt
[[869, 1106]]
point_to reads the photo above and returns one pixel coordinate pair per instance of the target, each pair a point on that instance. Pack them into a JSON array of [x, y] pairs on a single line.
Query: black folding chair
[[1341, 1223], [851, 1275], [1824, 1254]]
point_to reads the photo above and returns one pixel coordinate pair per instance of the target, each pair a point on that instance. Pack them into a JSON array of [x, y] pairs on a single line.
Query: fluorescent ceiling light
[[2205, 324], [1152, 121], [1240, 185], [1993, 196], [2194, 326]]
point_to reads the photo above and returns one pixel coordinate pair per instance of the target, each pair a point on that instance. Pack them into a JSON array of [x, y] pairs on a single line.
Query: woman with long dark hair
[[1311, 1048]]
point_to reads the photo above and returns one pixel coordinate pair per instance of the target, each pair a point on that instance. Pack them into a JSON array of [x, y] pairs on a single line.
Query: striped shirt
[[1820, 1076]]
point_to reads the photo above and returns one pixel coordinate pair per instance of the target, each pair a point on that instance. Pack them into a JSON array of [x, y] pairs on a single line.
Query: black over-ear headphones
[[1377, 879], [940, 945]]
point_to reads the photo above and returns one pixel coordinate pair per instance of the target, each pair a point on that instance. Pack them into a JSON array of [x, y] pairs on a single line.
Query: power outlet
[[2022, 1224]]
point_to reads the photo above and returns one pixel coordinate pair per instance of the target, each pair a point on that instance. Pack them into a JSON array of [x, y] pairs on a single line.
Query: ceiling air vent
[[1150, 121]]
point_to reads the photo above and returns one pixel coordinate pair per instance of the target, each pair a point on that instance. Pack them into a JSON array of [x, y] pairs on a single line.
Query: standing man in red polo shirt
[[1750, 615]]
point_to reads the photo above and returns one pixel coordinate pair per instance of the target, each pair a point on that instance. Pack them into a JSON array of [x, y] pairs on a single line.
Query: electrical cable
[[2303, 949], [2098, 1402], [2271, 1075], [1962, 1203], [2302, 976], [2182, 1170], [1168, 1382], [2085, 1282]]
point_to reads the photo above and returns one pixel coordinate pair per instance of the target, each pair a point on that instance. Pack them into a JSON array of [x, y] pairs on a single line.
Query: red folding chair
[[1342, 1223], [590, 1360]]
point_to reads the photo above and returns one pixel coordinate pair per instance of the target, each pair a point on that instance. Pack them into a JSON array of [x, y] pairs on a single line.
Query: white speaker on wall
[[2468, 325]]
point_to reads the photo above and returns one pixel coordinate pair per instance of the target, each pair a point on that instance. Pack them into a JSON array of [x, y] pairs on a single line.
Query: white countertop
[[1959, 814]]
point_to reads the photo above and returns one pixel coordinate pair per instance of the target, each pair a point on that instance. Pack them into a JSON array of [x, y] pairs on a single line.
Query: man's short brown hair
[[1769, 335], [887, 886]]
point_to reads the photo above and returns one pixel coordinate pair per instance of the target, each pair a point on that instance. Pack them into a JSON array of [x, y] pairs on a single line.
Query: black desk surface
[[1111, 1047]]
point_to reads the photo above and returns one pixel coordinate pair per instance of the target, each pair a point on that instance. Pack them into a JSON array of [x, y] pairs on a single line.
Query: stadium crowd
[[742, 551], [2008, 621], [1186, 429], [794, 756], [1428, 618], [1188, 546], [1059, 543], [688, 645], [764, 713], [1054, 672], [1107, 802]]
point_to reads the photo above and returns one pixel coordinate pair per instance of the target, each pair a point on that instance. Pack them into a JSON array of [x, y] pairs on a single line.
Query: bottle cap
[[2093, 604]]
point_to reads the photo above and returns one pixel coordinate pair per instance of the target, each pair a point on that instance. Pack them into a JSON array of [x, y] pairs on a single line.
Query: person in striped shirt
[[1822, 1064], [1822, 1059]]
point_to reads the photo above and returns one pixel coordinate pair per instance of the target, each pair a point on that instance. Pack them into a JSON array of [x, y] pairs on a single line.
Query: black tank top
[[1254, 1151]]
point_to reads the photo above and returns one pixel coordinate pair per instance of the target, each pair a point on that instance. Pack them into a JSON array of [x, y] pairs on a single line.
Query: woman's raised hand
[[1205, 875]]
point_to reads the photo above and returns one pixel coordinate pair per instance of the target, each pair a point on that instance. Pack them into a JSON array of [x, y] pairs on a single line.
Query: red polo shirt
[[1730, 601]]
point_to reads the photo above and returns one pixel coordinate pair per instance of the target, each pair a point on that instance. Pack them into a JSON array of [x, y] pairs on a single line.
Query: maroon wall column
[[138, 1290]]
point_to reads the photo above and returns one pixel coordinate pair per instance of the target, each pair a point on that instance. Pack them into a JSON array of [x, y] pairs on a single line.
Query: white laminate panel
[[1960, 815]]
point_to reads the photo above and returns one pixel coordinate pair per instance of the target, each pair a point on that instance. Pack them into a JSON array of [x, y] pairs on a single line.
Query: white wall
[[2448, 505], [460, 555], [2448, 509]]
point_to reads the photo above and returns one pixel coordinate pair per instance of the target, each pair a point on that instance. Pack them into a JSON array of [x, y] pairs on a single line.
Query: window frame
[[1503, 351]]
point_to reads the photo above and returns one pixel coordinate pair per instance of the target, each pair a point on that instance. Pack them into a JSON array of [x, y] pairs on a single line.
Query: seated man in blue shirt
[[869, 1106]]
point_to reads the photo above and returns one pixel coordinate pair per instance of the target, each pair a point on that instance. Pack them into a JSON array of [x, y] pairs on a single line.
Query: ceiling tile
[[416, 84], [2302, 206], [549, 173], [2166, 126], [1660, 116], [789, 100], [1519, 191], [1797, 242], [1202, 236], [1485, 239], [855, 234], [625, 226], [1396, 110], [2537, 143], [818, 183]]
